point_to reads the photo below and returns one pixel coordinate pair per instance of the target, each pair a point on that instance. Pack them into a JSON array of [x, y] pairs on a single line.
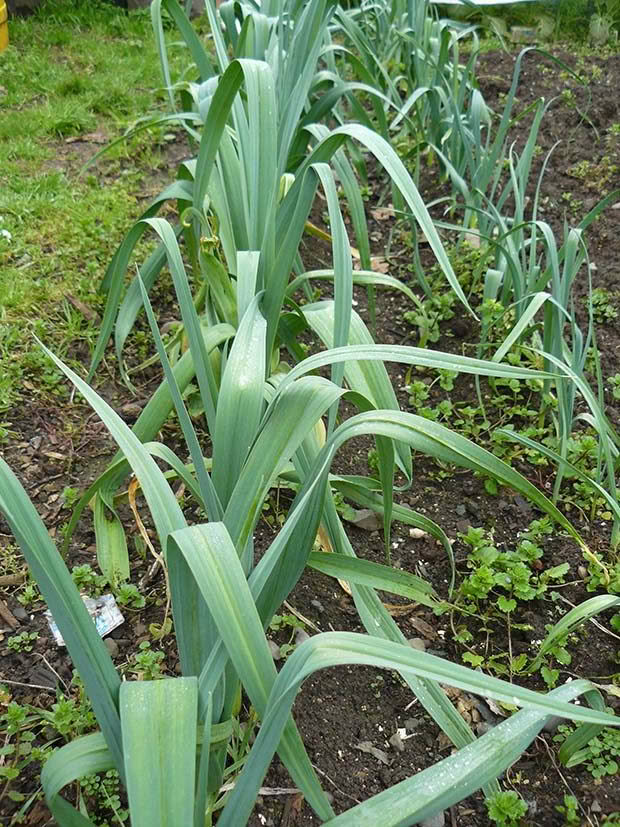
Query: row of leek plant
[[404, 49], [528, 271], [533, 277], [244, 203]]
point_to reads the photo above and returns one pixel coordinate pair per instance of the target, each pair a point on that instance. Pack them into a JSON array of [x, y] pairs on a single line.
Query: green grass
[[70, 71]]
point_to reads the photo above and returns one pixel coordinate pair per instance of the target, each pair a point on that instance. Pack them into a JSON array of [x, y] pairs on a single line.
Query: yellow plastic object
[[4, 26]]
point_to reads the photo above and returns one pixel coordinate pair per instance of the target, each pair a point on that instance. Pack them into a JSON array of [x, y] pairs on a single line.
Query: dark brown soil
[[56, 446]]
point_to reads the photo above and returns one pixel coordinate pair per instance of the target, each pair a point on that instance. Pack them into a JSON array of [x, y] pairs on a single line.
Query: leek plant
[[269, 422], [404, 49], [531, 274], [414, 58], [243, 215], [268, 429]]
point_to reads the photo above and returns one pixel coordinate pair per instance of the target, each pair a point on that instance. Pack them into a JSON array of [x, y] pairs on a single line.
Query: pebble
[[482, 727], [275, 650], [417, 643], [552, 723], [461, 510], [473, 509], [20, 613], [301, 636], [112, 646], [317, 605], [438, 820]]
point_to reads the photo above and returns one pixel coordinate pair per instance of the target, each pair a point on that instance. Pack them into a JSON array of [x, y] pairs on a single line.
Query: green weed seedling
[[103, 794], [146, 664], [29, 594], [70, 716], [601, 755], [505, 576], [129, 596], [71, 496], [569, 810], [285, 623], [604, 305], [18, 750], [30, 734], [23, 642], [603, 575], [499, 582], [87, 580], [506, 809], [428, 315]]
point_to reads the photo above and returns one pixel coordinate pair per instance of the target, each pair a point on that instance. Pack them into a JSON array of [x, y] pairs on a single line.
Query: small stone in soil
[[473, 508], [317, 605], [301, 636], [275, 649], [482, 727], [552, 723], [20, 613], [112, 646], [379, 754], [417, 643], [430, 552], [438, 820], [523, 505], [43, 677]]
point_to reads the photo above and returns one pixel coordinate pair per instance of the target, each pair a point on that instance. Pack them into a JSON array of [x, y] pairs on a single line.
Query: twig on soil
[[551, 757], [592, 620], [86, 311], [334, 785], [13, 579], [29, 685], [40, 483], [150, 574], [301, 617], [225, 788], [7, 615], [131, 492], [52, 670]]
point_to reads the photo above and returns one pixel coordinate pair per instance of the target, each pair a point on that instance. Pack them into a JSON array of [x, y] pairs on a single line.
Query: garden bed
[[350, 717]]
